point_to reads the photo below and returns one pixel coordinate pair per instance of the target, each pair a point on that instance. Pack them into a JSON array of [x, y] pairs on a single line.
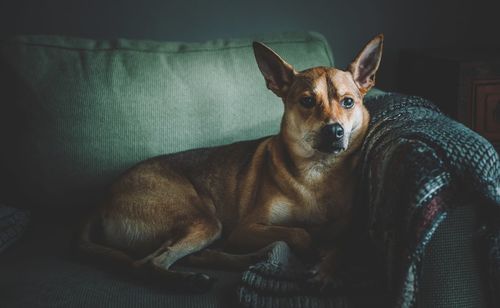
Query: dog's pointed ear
[[364, 67], [278, 74]]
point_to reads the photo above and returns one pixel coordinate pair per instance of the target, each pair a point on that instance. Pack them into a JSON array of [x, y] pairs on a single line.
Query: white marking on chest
[[280, 213]]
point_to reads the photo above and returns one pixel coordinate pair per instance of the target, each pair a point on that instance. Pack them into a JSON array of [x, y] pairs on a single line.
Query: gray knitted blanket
[[13, 223], [414, 157]]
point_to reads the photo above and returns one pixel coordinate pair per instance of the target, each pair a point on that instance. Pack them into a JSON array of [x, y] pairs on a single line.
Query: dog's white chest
[[306, 212], [306, 206], [281, 213]]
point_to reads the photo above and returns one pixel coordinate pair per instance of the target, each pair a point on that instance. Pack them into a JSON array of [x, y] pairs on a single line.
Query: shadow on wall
[[347, 25]]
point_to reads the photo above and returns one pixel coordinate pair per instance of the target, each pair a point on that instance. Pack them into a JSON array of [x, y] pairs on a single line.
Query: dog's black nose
[[333, 132]]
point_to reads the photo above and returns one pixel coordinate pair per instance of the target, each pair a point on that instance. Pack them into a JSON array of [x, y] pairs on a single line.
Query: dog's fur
[[248, 194]]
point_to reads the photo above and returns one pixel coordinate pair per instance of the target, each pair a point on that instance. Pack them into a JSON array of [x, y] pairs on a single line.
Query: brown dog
[[248, 194]]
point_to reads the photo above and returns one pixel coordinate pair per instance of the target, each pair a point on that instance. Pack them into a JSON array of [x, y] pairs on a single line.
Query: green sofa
[[75, 113]]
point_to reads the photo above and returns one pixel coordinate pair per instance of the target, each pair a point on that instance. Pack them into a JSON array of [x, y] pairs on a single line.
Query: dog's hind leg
[[197, 236]]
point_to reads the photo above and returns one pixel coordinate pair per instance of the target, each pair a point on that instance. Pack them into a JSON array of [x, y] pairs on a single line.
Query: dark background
[[346, 24]]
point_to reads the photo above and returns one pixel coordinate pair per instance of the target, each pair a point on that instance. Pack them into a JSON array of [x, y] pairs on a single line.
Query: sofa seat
[[41, 271]]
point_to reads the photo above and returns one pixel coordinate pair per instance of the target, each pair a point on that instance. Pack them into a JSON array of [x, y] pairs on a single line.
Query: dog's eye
[[347, 103], [307, 102]]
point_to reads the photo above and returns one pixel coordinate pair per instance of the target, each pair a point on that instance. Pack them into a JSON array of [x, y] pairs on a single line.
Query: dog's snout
[[339, 131], [333, 132]]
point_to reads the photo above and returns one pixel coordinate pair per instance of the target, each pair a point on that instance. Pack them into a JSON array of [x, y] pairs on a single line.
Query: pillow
[[13, 222], [76, 112]]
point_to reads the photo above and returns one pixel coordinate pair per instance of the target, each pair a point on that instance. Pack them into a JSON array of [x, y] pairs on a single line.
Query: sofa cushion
[[76, 112], [41, 271]]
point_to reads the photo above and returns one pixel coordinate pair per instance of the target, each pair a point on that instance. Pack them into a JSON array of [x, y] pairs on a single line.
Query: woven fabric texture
[[415, 160], [76, 112], [13, 223], [452, 273], [281, 280], [39, 271]]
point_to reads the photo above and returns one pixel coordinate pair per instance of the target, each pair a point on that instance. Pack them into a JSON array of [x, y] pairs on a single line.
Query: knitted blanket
[[413, 160], [13, 223]]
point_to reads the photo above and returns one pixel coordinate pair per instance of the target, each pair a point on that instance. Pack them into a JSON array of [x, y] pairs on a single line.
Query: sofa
[[75, 113]]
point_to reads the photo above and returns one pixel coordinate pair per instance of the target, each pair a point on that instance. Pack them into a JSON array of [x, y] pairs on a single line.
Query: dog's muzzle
[[332, 136]]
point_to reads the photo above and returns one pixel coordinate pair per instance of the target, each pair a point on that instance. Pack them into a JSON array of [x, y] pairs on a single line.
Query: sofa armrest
[[451, 267]]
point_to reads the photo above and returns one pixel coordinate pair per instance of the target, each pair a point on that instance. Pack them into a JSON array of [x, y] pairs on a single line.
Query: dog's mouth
[[326, 146], [334, 148], [331, 146]]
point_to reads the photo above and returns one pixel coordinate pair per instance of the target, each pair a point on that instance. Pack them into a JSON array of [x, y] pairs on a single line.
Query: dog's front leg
[[333, 241], [254, 236], [324, 272], [330, 233]]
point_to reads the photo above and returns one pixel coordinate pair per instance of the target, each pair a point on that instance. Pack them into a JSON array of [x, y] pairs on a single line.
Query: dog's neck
[[318, 167]]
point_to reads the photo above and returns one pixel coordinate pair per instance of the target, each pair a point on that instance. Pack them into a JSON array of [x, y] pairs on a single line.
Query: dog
[[247, 195]]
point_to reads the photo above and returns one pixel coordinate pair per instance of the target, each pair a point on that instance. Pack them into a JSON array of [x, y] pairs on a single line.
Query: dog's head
[[324, 111]]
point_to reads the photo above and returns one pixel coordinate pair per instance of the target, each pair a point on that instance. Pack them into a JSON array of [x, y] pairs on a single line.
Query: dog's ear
[[364, 67], [278, 74]]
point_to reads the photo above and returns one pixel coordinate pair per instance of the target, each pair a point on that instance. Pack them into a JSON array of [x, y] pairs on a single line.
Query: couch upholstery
[[452, 273], [74, 113], [41, 271], [77, 112], [83, 110]]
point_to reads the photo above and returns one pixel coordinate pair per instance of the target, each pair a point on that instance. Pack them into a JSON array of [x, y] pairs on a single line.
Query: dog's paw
[[199, 282], [322, 277]]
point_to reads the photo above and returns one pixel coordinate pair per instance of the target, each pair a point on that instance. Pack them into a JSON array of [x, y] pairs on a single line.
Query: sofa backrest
[[74, 113]]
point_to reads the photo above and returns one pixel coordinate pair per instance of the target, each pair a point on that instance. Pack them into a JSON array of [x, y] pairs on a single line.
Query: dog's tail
[[121, 262]]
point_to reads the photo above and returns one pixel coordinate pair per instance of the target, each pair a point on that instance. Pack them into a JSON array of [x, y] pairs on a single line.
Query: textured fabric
[[452, 272], [281, 280], [13, 223], [39, 271], [76, 112], [415, 161]]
